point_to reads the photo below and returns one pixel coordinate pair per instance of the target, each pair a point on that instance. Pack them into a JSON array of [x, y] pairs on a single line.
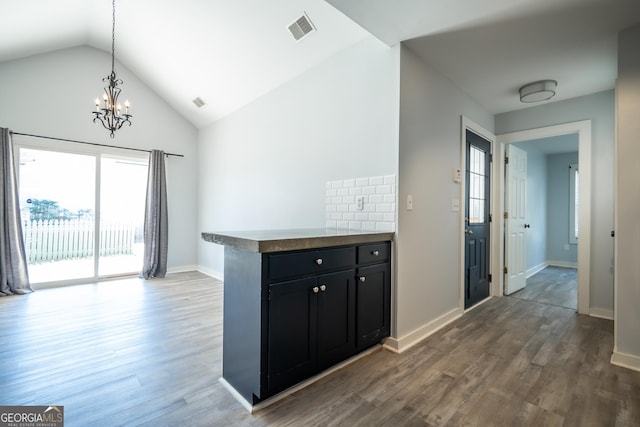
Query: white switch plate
[[455, 205], [409, 202], [360, 203], [457, 175]]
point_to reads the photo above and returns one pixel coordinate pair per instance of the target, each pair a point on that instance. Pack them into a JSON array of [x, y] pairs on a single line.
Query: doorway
[[583, 130], [82, 213], [477, 219]]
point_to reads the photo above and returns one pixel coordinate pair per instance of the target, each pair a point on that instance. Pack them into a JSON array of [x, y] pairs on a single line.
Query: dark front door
[[477, 229]]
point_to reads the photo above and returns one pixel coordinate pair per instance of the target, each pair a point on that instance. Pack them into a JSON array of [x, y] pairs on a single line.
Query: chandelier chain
[[113, 37]]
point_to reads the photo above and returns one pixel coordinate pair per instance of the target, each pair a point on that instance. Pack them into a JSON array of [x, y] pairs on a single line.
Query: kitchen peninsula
[[297, 302]]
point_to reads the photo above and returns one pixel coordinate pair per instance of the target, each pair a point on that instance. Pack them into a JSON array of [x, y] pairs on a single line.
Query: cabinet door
[[336, 317], [292, 338], [373, 293]]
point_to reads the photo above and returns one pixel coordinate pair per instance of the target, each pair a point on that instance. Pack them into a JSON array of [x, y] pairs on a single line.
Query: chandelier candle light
[[111, 115]]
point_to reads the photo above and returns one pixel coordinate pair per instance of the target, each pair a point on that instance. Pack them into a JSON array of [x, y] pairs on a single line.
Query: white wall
[[266, 166], [52, 95], [627, 314], [599, 108], [428, 237], [559, 250]]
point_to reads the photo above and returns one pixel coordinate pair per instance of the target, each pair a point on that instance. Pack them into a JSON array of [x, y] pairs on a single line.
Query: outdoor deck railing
[[57, 240]]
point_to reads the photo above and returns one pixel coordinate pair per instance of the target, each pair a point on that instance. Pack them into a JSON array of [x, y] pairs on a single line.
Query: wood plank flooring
[[553, 285], [131, 352]]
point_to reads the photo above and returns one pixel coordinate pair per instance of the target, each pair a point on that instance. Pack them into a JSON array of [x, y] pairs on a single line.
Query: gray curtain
[[14, 277], [155, 219]]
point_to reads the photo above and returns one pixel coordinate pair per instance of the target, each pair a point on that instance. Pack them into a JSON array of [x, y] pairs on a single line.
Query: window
[[574, 203]]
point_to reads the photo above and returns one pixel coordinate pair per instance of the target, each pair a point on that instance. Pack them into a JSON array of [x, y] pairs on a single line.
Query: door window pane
[[122, 200], [477, 179], [57, 202]]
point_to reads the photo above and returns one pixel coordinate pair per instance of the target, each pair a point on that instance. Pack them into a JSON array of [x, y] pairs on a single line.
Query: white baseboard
[[270, 401], [210, 272], [602, 313], [398, 345], [536, 269], [182, 269], [566, 264], [628, 361]]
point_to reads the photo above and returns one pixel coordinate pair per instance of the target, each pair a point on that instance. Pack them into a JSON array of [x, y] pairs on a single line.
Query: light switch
[[409, 202], [457, 175], [360, 203]]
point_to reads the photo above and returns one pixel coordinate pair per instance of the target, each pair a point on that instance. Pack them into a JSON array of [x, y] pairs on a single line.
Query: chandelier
[[110, 113]]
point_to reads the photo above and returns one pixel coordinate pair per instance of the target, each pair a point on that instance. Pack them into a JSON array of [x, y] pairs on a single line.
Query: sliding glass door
[[82, 213]]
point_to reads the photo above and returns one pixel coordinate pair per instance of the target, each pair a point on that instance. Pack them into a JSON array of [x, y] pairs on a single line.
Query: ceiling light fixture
[[538, 91], [111, 115]]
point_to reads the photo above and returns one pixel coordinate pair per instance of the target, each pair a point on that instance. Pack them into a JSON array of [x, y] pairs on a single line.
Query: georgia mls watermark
[[31, 416]]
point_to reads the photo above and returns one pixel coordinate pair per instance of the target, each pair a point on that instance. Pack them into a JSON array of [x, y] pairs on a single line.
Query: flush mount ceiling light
[[538, 91], [111, 115]]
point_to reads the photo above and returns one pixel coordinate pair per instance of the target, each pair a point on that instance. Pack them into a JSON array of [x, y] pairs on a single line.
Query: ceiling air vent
[[199, 102], [301, 27]]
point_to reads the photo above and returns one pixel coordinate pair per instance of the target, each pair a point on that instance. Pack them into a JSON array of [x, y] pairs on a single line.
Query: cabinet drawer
[[372, 253], [309, 262]]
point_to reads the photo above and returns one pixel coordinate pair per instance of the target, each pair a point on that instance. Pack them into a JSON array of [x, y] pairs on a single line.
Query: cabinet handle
[[363, 279], [323, 288], [375, 253], [319, 261], [315, 289]]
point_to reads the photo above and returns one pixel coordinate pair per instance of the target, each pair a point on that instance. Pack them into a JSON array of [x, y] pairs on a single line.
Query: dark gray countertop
[[294, 239]]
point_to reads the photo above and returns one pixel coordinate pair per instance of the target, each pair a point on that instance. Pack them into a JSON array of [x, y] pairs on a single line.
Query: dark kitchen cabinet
[[311, 326], [292, 314]]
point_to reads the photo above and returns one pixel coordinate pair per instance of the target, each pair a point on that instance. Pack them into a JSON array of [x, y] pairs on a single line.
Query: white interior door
[[515, 227]]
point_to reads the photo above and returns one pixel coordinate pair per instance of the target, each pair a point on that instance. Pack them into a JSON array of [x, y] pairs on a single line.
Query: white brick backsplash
[[355, 225], [378, 212], [381, 189], [369, 190], [376, 180], [368, 226], [376, 198]]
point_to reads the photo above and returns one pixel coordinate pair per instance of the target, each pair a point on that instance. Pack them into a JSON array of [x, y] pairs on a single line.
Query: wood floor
[[553, 285], [132, 352]]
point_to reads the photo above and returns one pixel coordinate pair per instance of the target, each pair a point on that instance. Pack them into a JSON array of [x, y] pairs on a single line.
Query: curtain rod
[[92, 143]]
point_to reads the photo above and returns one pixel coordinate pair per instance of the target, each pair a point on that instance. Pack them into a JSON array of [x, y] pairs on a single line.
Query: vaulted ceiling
[[229, 52]]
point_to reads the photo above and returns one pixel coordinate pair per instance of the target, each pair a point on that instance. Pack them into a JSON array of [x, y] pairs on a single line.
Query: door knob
[[467, 231], [527, 226]]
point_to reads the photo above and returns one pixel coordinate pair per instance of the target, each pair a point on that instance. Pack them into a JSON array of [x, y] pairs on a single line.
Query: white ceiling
[[490, 48], [229, 52]]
